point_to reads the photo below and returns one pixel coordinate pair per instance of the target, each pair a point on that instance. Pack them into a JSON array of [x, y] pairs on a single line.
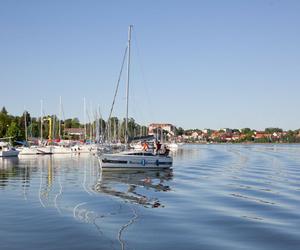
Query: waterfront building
[[74, 133], [164, 126]]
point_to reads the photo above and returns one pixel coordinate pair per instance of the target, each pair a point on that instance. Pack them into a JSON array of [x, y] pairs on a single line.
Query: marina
[[128, 125]]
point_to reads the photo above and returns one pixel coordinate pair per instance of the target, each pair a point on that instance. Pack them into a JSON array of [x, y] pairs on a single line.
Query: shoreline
[[231, 143]]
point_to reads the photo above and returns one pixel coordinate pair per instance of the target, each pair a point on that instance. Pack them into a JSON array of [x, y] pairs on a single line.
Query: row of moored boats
[[6, 150], [111, 158]]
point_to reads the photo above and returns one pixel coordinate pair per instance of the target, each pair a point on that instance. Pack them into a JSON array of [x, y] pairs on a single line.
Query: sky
[[195, 64]]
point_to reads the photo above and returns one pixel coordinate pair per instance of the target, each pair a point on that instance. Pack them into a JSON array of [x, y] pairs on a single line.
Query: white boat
[[28, 150], [128, 160], [7, 151], [44, 150], [61, 150], [54, 149], [84, 148], [136, 146], [134, 160]]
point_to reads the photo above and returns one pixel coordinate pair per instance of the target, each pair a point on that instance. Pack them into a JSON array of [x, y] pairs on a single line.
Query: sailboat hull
[[9, 153], [28, 151], [55, 150], [134, 162]]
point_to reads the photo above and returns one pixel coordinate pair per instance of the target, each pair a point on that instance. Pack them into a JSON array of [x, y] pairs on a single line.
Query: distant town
[[25, 127], [228, 135]]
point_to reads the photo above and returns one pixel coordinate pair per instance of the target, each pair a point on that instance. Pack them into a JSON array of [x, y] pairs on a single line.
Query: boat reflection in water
[[8, 163], [135, 186], [7, 170]]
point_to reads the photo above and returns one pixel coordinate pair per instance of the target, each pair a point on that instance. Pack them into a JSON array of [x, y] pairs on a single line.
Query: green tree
[[5, 121], [113, 126], [247, 137], [15, 132], [75, 123], [131, 128], [179, 131], [263, 140], [68, 123], [102, 125], [273, 130], [246, 130], [4, 111], [34, 129], [290, 137]]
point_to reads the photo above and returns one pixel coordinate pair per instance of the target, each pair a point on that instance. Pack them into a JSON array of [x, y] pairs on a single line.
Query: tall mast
[[127, 85], [50, 129], [25, 121], [59, 121], [97, 137], [84, 117], [53, 126], [91, 123], [100, 128], [41, 121]]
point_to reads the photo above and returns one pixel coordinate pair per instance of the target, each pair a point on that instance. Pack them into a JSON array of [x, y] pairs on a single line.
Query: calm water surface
[[216, 197]]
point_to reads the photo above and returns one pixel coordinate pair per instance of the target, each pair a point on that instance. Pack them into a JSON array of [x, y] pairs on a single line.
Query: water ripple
[[216, 197]]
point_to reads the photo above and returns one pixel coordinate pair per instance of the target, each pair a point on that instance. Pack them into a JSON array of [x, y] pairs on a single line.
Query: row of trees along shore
[[269, 135], [14, 127], [114, 130]]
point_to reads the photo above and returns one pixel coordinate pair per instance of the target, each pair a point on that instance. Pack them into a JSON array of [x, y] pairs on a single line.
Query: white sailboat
[[27, 149], [128, 160], [32, 150], [54, 148], [7, 151], [42, 148], [84, 148]]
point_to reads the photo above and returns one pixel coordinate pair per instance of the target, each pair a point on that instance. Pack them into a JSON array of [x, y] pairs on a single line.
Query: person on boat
[[145, 146], [157, 147], [166, 151]]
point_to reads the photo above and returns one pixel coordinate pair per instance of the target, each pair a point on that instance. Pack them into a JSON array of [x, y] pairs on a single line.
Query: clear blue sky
[[194, 63]]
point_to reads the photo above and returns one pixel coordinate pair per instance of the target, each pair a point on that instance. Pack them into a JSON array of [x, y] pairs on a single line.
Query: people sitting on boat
[[145, 146], [157, 147], [165, 151]]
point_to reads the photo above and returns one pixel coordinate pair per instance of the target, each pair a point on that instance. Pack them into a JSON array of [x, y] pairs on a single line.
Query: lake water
[[216, 197]]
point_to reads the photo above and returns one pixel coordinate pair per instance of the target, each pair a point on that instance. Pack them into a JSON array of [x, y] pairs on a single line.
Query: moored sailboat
[[7, 151], [129, 159]]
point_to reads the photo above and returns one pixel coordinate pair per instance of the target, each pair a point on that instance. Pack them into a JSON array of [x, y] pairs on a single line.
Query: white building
[[165, 126]]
